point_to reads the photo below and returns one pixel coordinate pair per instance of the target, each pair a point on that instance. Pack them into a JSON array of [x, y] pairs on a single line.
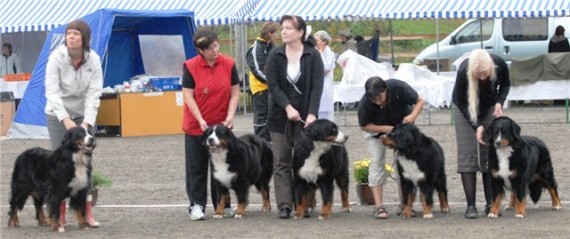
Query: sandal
[[380, 213]]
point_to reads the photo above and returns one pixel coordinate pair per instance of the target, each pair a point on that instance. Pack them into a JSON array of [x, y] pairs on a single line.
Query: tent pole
[[481, 31], [230, 38], [437, 45], [391, 43]]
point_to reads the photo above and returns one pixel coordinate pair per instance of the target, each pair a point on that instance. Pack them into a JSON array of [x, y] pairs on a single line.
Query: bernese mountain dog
[[52, 176], [518, 162], [421, 165], [319, 159], [238, 163]]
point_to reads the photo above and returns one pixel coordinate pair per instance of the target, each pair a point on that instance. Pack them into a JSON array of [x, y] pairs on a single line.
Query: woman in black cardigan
[[295, 75], [480, 91]]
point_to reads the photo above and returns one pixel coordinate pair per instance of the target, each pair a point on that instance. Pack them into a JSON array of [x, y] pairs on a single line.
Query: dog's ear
[[205, 135], [72, 137], [516, 129], [232, 139]]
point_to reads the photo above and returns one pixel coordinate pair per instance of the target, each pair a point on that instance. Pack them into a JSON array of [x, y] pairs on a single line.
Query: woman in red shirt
[[210, 86]]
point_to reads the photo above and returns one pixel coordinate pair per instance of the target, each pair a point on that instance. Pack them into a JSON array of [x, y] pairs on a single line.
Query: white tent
[[44, 15], [268, 10]]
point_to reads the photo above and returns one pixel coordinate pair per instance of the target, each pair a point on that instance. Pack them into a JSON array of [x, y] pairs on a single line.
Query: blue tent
[[114, 36]]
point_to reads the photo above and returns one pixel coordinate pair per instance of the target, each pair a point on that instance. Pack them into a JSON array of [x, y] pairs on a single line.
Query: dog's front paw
[[347, 209], [58, 228], [84, 226], [13, 224], [428, 216], [324, 216], [406, 215], [218, 216], [239, 216], [519, 215], [558, 207], [445, 210], [266, 209]]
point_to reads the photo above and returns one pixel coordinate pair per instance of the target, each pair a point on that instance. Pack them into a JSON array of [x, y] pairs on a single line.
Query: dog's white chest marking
[[311, 169], [503, 154], [79, 180], [411, 170], [221, 168]]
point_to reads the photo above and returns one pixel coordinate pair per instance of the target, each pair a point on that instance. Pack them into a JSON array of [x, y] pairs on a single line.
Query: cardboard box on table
[[141, 114], [7, 111]]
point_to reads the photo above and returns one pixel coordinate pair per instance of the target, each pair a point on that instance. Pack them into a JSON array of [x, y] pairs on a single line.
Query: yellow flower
[[360, 170]]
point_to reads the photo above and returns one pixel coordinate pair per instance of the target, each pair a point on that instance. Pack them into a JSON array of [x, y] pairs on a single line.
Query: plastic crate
[[166, 83]]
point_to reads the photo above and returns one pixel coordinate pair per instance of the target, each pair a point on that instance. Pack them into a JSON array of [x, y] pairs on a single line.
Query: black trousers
[[197, 162], [260, 106]]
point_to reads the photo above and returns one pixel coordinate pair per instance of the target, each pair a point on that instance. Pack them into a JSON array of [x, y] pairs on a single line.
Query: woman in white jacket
[[74, 82], [9, 63], [326, 109]]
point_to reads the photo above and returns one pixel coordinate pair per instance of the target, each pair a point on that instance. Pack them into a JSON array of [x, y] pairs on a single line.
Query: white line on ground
[[250, 205]]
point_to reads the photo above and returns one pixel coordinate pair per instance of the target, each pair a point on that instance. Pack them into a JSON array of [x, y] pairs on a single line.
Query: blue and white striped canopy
[[272, 10], [453, 9], [44, 15]]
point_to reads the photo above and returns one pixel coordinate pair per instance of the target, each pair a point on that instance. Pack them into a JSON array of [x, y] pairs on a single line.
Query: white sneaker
[[197, 213]]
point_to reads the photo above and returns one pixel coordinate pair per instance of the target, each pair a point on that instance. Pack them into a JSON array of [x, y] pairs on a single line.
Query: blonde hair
[[479, 61]]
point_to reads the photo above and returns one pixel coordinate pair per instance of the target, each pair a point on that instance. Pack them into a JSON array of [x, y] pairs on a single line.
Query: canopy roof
[[272, 10], [44, 15]]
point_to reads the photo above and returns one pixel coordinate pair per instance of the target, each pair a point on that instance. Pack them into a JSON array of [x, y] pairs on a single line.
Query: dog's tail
[[535, 190]]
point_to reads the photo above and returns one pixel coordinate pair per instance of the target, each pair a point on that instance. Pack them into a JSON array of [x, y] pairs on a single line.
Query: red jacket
[[212, 91]]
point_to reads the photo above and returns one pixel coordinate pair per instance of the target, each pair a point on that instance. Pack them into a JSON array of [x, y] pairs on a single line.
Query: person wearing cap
[[347, 42], [73, 85]]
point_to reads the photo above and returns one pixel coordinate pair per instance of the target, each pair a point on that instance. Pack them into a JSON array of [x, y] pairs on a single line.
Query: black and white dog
[[319, 159], [518, 163], [239, 163], [52, 176], [421, 165]]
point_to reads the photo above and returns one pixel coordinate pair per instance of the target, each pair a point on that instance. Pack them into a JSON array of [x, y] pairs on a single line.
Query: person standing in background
[[346, 41], [210, 87], [74, 82], [255, 58], [326, 109], [295, 78], [364, 47], [558, 42], [479, 93], [9, 62]]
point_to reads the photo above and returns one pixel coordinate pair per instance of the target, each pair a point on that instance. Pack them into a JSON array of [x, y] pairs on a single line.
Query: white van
[[506, 37]]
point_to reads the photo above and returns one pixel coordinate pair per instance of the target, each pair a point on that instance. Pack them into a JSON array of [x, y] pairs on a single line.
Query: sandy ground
[[148, 198]]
